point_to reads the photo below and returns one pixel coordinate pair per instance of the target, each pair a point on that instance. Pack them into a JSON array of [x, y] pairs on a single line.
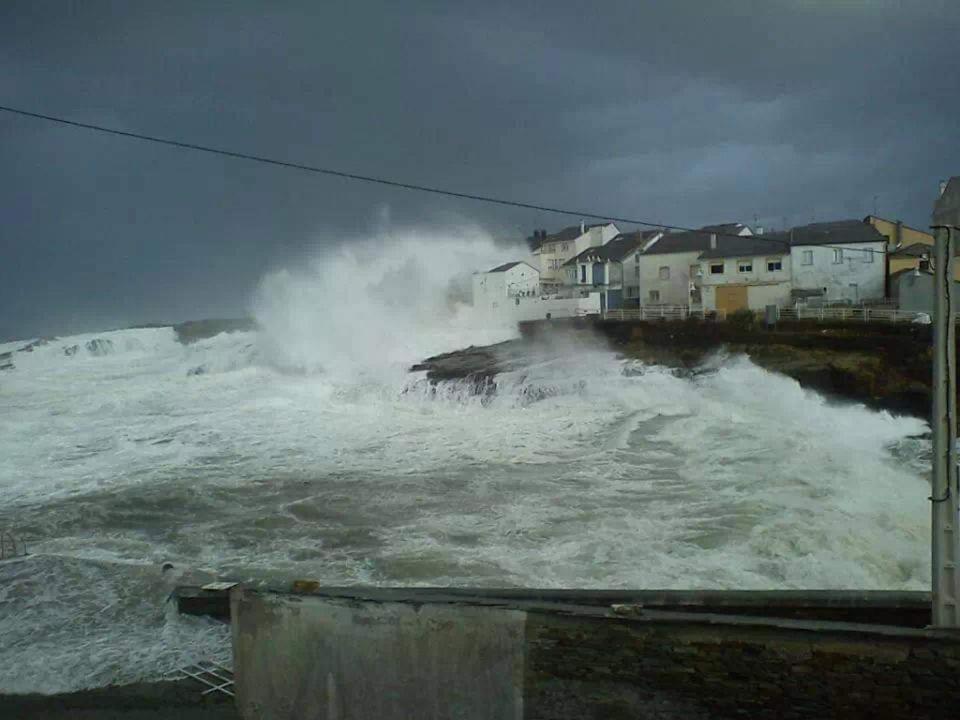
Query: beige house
[[553, 251], [746, 273], [667, 270]]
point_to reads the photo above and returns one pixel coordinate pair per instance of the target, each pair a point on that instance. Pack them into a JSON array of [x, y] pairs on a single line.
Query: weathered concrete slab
[[301, 657], [444, 653]]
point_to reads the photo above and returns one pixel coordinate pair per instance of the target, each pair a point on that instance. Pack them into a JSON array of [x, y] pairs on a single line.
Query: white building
[[557, 249], [666, 272], [510, 293], [494, 288], [741, 273], [841, 261]]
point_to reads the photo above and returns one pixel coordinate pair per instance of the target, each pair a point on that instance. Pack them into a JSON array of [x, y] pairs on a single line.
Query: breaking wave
[[307, 450]]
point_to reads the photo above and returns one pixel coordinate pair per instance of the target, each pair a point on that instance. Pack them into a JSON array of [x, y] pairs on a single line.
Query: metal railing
[[664, 312], [849, 314], [841, 314], [213, 676]]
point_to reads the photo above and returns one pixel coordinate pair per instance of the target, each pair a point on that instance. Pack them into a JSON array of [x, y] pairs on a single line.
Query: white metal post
[[945, 491]]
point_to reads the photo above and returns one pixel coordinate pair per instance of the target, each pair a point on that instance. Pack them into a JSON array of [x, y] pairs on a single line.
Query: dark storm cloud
[[676, 112]]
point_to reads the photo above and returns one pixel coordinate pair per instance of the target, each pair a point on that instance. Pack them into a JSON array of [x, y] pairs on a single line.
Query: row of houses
[[725, 267]]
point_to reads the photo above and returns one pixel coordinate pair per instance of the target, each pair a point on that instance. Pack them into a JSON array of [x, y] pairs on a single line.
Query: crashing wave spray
[[377, 305]]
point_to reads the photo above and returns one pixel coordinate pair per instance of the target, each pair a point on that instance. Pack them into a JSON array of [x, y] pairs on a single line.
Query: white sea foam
[[582, 470]]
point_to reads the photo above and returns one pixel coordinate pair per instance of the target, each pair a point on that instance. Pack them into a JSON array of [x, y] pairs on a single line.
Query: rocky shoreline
[[886, 367]]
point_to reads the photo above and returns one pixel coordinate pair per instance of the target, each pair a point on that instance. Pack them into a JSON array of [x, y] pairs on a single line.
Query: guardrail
[[851, 314], [842, 314], [663, 312]]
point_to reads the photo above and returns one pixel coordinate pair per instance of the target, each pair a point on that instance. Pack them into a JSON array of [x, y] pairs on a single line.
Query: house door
[[731, 297], [598, 274]]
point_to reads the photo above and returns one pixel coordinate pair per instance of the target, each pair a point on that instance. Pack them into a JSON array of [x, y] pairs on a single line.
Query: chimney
[[583, 227], [713, 241]]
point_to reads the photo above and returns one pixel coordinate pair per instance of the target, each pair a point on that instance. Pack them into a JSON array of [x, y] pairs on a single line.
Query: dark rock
[[194, 330], [71, 350], [99, 347], [881, 365], [29, 347]]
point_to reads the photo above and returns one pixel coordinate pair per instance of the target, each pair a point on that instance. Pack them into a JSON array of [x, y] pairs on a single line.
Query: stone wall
[[580, 667]]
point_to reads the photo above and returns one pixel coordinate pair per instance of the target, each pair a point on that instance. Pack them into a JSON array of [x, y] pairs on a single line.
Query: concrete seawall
[[367, 653]]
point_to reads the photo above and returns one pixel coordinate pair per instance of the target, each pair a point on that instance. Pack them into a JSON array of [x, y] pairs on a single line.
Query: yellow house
[[907, 247]]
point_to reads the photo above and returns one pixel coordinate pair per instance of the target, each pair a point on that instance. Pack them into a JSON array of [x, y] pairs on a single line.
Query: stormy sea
[[306, 449]]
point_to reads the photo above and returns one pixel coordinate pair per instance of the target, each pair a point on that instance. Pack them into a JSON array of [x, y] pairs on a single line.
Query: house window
[[716, 268], [745, 266], [808, 257], [868, 255], [654, 296], [774, 264], [838, 255], [583, 273], [665, 273], [565, 247]]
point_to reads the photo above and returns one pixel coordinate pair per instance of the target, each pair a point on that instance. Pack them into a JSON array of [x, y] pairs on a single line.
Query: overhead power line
[[379, 180]]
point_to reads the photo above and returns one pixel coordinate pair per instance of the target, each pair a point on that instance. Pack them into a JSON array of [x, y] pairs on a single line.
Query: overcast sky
[[677, 112]]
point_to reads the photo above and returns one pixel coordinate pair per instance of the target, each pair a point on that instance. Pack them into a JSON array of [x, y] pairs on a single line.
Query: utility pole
[[945, 489]]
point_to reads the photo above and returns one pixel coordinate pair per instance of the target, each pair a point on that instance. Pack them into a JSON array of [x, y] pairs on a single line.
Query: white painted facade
[[630, 266], [849, 272], [511, 310], [767, 278], [554, 253], [519, 280], [664, 279]]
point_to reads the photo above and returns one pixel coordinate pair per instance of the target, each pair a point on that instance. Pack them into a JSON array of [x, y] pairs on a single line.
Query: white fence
[[853, 314], [663, 312], [842, 314]]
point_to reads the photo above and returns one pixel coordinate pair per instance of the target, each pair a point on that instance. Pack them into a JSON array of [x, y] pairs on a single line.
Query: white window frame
[[714, 266], [654, 296], [748, 264], [774, 261], [868, 256], [838, 256], [664, 272], [807, 258]]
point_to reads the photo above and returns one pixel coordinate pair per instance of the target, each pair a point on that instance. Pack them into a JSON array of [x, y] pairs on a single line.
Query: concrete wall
[[511, 310], [914, 293], [349, 656], [299, 658], [866, 270]]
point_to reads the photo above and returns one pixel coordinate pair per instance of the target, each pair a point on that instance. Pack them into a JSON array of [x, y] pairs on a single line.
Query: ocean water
[[306, 450]]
